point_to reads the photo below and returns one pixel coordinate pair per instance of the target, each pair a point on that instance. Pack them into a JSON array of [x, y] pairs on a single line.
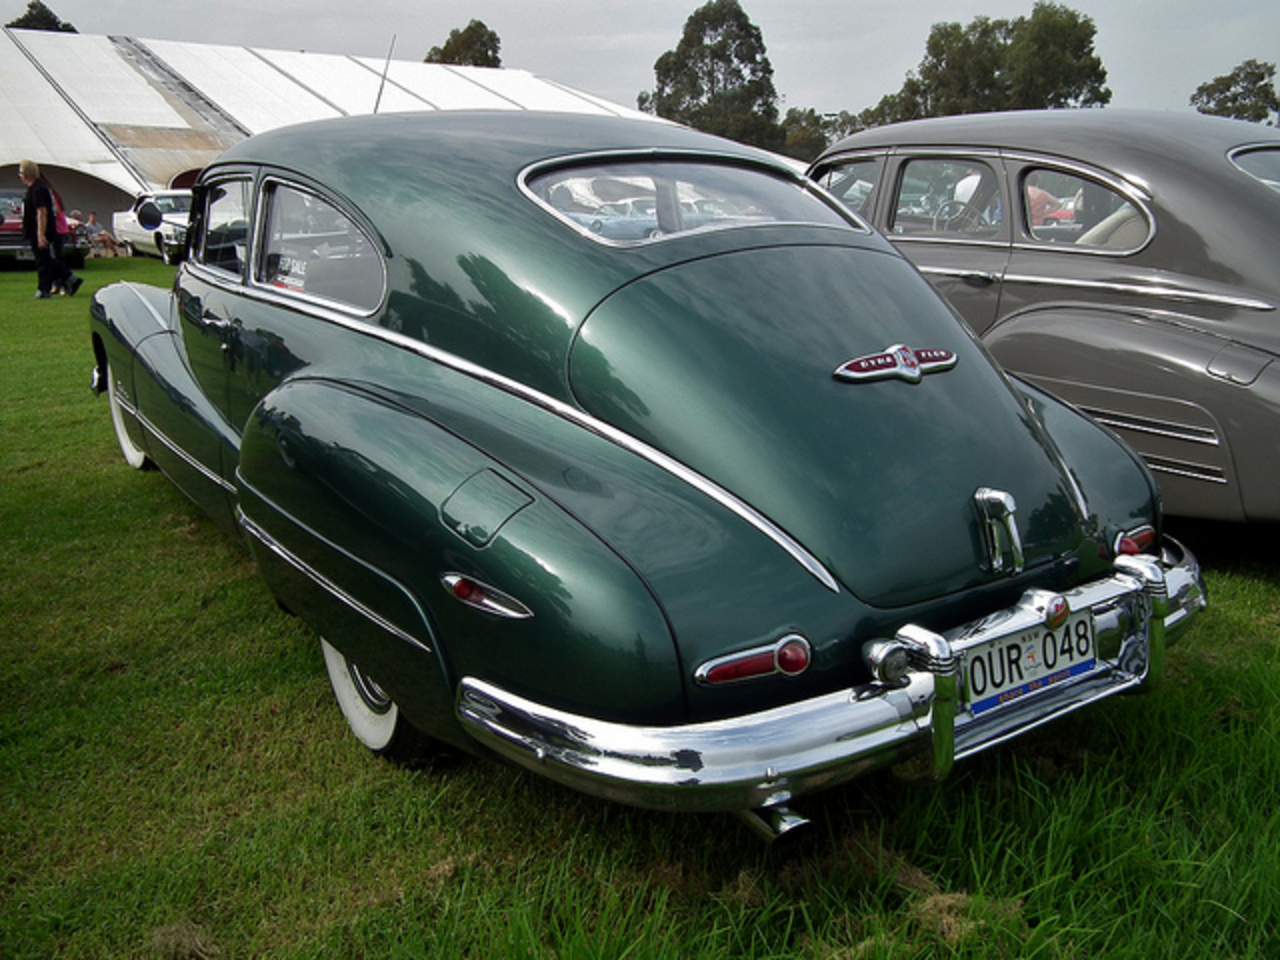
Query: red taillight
[[483, 597], [789, 656], [1135, 541], [793, 656]]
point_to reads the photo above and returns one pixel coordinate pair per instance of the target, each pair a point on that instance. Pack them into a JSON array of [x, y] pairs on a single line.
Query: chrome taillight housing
[[789, 656]]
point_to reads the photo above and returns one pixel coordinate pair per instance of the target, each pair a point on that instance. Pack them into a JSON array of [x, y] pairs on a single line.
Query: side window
[[952, 197], [224, 242], [1063, 208], [313, 248], [852, 183]]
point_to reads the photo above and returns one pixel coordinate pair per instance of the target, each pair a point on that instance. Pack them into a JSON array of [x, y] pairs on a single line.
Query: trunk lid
[[727, 364]]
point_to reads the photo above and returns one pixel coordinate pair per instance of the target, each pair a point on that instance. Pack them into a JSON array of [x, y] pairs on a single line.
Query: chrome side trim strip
[[176, 450], [564, 411], [1158, 428], [1180, 468], [605, 431], [1144, 290], [324, 583]]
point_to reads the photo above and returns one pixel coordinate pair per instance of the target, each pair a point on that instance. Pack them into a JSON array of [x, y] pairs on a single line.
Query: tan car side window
[[1063, 208]]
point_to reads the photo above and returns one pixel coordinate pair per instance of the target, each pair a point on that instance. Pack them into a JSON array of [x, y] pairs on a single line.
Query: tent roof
[[137, 113]]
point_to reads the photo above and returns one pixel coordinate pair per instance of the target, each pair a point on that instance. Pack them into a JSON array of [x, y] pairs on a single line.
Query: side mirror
[[149, 216]]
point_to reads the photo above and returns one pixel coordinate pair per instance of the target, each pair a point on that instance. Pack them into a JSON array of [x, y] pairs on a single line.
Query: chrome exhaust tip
[[772, 823]]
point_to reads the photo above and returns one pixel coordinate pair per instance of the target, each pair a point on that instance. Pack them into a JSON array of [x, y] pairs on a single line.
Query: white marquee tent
[[108, 117]]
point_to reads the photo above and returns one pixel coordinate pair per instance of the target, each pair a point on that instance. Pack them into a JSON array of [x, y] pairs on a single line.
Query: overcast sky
[[827, 54]]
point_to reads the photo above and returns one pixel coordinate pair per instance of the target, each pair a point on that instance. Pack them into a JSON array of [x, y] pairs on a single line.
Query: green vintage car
[[700, 520]]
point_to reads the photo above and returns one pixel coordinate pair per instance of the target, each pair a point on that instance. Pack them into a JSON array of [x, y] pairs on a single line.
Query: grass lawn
[[176, 781]]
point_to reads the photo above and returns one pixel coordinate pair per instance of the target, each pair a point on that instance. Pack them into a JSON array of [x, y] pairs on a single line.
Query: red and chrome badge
[[899, 361]]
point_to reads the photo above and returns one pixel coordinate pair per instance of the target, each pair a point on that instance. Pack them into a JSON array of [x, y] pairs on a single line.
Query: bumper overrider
[[924, 716]]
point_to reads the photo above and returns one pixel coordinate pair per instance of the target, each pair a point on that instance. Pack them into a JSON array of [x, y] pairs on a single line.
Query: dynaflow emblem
[[903, 362]]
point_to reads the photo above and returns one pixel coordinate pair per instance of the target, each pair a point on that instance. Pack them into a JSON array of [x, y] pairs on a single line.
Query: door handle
[[979, 279]]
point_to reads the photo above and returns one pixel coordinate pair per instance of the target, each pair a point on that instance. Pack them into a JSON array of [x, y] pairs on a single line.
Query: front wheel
[[134, 455], [372, 715]]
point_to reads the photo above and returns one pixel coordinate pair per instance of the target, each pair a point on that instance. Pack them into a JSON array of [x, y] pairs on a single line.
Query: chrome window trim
[[779, 170], [947, 241], [1234, 152], [259, 250], [991, 158], [195, 250], [1139, 195]]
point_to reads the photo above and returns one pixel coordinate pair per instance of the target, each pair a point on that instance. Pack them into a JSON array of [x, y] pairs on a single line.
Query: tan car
[[1128, 262]]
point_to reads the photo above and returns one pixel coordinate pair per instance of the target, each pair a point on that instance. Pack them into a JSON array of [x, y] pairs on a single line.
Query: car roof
[[1116, 138], [470, 141]]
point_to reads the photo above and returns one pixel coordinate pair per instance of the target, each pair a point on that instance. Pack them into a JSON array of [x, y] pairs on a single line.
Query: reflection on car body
[[1133, 275], [639, 514]]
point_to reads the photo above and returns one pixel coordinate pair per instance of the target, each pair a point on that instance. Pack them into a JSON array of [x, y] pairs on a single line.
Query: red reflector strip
[[758, 665]]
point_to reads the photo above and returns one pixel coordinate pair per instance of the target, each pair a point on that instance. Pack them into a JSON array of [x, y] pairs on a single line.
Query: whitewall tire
[[372, 715], [134, 455]]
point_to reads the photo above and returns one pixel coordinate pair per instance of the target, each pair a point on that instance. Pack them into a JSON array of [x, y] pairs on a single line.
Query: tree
[[718, 78], [1045, 60], [804, 133], [1246, 93], [475, 45], [40, 17]]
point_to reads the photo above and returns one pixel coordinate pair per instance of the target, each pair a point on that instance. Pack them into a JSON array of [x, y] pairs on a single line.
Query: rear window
[[1261, 164], [638, 201]]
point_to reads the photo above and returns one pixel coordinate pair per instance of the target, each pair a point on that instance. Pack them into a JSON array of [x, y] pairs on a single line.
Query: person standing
[[40, 227]]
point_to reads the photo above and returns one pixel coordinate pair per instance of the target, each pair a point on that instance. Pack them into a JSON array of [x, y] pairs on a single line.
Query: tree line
[[718, 77]]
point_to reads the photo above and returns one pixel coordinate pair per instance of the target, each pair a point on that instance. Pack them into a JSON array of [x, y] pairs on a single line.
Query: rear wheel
[[372, 715], [134, 455]]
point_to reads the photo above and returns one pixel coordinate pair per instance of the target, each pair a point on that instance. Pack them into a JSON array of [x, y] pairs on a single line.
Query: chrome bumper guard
[[767, 758]]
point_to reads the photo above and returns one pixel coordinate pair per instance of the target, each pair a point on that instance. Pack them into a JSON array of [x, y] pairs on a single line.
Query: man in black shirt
[[40, 227]]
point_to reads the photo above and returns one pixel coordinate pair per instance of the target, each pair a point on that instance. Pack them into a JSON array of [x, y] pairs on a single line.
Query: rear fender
[[1145, 378], [359, 509], [1116, 486]]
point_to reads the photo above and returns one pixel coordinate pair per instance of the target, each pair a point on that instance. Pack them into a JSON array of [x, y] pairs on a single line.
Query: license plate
[[1001, 671]]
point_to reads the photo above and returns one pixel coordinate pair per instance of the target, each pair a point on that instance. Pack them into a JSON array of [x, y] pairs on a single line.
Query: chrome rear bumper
[[767, 758]]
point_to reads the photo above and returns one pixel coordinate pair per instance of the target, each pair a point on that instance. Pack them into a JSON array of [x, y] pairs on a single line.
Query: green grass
[[175, 780]]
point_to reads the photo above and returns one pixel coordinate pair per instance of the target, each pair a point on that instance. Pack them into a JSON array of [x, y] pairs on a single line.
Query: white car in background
[[168, 241]]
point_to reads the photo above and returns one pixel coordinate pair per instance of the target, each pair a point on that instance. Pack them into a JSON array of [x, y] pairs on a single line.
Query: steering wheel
[[955, 215]]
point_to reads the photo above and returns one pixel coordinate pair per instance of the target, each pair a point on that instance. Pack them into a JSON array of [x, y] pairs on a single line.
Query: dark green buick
[[626, 454]]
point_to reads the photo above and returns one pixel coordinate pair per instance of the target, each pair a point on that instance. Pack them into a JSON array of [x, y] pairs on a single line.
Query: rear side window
[[1261, 164], [640, 200], [852, 183], [311, 247], [1062, 208], [224, 241]]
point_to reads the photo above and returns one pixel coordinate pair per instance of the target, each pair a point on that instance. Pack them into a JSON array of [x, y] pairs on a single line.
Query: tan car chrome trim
[[1152, 290]]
